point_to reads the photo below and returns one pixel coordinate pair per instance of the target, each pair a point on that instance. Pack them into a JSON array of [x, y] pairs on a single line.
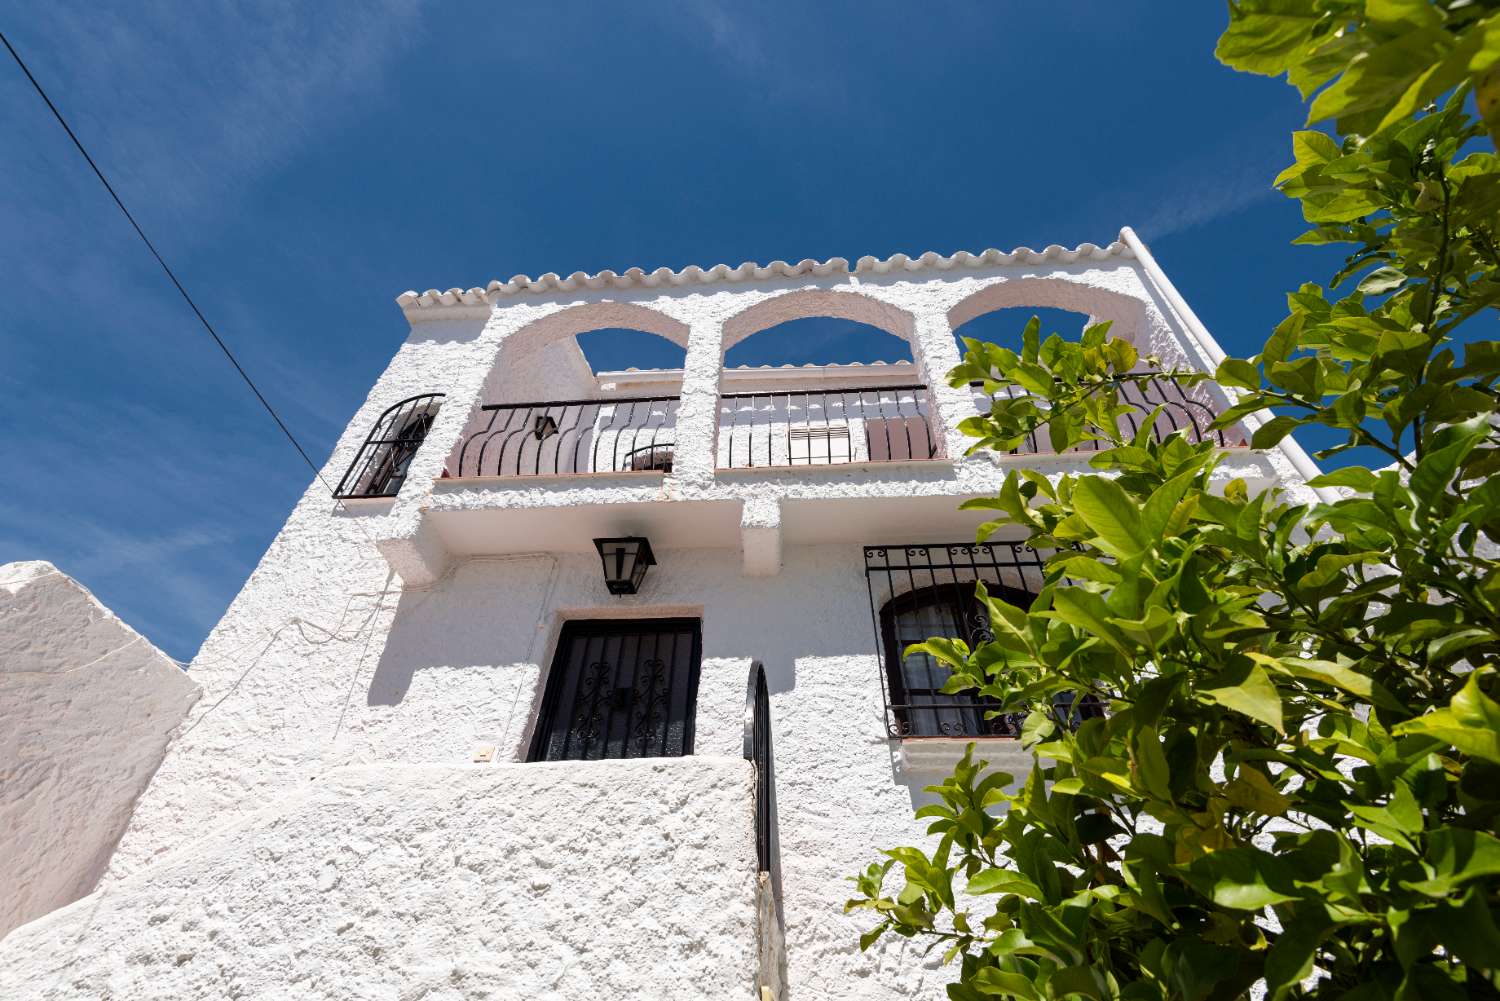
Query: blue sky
[[302, 164]]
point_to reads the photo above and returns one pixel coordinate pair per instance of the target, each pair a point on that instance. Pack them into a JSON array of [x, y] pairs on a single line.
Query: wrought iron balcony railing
[[774, 429], [572, 437], [1179, 412], [825, 427]]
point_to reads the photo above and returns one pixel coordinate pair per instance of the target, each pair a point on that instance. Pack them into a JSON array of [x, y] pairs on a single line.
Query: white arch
[[804, 303], [1127, 313]]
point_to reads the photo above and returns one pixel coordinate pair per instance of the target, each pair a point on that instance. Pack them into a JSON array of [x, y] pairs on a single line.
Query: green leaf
[[1237, 372], [1162, 502], [1251, 790], [1291, 958], [1110, 514], [1470, 722], [1353, 477], [1246, 688], [1003, 881], [1380, 281], [1269, 434], [1243, 879], [999, 983], [1436, 470], [1457, 856], [1269, 40], [1088, 612]]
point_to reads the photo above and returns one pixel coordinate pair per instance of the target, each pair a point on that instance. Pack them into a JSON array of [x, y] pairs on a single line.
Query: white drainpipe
[[1210, 350]]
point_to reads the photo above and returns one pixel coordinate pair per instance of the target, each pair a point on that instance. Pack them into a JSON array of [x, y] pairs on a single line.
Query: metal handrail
[[570, 437], [826, 427], [1179, 413], [758, 753]]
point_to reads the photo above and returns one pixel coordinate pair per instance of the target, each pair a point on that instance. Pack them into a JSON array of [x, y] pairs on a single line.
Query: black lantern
[[625, 562]]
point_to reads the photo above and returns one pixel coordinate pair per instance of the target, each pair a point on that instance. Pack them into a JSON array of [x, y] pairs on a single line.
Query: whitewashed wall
[[86, 708], [385, 631], [539, 882]]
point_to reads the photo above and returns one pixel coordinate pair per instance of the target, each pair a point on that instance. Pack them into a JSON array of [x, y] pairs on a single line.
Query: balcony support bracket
[[418, 556], [760, 537]]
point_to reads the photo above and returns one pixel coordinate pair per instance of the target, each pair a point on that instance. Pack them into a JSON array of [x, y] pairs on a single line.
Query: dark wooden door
[[620, 688]]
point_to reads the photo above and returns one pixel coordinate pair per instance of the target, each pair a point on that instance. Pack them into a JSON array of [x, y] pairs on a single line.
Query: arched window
[[382, 462], [915, 682]]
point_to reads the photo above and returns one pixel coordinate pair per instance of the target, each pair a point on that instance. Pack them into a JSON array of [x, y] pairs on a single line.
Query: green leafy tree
[[1297, 782], [1371, 63]]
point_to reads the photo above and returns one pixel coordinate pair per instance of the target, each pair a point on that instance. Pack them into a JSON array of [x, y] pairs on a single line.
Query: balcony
[[710, 444], [826, 427], [1179, 413], [570, 438], [766, 429]]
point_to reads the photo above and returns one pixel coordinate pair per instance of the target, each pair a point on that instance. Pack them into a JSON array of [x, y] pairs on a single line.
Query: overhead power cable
[[164, 266]]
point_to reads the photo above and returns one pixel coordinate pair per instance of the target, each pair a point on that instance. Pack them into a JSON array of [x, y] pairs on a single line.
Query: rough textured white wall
[[360, 639], [842, 788], [280, 671], [87, 706], [617, 879]]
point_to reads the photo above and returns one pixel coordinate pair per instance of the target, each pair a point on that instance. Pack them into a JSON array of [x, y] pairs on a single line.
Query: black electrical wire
[[159, 260]]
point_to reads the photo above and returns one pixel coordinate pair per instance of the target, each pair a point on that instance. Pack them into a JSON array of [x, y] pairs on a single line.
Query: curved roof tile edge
[[750, 271]]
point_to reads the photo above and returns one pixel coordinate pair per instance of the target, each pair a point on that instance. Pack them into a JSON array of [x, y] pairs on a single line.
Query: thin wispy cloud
[[136, 463], [168, 114], [733, 36], [1201, 186], [766, 56]]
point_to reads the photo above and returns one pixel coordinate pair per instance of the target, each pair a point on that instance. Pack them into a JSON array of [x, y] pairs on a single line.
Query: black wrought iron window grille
[[381, 464], [920, 592]]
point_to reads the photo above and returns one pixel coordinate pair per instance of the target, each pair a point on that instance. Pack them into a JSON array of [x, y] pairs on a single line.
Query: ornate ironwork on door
[[620, 688]]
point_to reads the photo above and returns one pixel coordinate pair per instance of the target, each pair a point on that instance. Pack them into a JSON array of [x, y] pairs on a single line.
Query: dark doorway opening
[[620, 688]]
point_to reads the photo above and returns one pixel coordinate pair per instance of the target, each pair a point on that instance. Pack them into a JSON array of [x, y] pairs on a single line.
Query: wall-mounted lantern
[[625, 562]]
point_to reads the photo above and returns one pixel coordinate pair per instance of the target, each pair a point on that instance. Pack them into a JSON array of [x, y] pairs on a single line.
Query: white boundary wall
[[87, 706], [517, 882]]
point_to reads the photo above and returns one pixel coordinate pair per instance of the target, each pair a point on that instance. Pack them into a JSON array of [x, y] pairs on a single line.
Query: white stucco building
[[436, 757]]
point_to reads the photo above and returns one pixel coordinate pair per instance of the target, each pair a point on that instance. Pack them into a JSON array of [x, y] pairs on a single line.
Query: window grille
[[380, 466], [918, 592]]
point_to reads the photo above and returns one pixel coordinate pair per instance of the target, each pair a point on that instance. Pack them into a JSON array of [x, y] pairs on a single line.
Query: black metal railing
[[379, 467], [758, 753], [1179, 412], [571, 437], [826, 427]]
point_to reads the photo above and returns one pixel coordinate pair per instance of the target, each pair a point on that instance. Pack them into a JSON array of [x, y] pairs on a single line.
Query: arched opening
[[1003, 326], [818, 340], [621, 349], [589, 389], [998, 314], [820, 378], [915, 681]]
